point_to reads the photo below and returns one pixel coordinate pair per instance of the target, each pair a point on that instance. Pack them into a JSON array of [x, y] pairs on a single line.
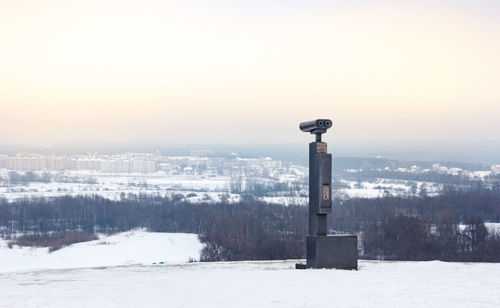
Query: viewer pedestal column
[[323, 250]]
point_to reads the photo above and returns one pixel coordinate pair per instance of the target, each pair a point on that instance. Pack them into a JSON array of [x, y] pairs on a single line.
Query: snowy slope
[[132, 247], [118, 271], [258, 284]]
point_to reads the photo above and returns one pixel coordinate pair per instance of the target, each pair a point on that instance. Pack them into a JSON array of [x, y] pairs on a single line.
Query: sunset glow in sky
[[186, 71]]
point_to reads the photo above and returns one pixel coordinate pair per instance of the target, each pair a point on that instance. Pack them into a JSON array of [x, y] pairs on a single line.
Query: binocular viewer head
[[319, 126]]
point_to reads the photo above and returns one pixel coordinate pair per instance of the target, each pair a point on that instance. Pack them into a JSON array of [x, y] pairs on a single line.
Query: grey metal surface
[[320, 187], [324, 251], [332, 251], [318, 126]]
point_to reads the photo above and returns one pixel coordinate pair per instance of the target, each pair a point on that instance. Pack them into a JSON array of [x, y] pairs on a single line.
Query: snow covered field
[[115, 185], [136, 247], [257, 284], [118, 271], [194, 188]]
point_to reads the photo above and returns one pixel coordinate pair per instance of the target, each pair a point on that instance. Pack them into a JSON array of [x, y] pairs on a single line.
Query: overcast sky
[[248, 71]]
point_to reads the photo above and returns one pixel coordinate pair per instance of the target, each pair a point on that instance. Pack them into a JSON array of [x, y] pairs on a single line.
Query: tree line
[[445, 227]]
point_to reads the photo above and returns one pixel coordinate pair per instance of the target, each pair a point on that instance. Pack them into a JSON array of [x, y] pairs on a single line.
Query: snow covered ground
[[195, 188], [118, 271], [115, 185], [257, 284], [384, 187], [492, 227], [136, 247]]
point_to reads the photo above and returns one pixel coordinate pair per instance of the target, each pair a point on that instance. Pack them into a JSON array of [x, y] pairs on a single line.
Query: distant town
[[202, 177]]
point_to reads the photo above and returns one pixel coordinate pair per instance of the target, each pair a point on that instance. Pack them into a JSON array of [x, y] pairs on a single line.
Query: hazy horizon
[[391, 75], [478, 153]]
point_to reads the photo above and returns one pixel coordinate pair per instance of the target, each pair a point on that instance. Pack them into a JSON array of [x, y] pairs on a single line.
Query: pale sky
[[248, 71]]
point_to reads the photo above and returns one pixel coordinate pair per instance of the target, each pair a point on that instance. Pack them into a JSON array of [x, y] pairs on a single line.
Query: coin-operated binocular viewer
[[323, 250]]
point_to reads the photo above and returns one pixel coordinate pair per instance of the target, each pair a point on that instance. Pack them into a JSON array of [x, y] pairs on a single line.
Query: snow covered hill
[[257, 284], [132, 247], [119, 271]]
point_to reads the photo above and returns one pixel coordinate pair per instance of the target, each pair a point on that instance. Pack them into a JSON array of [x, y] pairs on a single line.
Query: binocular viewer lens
[[316, 126], [324, 123]]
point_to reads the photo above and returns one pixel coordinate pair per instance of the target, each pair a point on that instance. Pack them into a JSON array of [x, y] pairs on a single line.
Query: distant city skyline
[[188, 72]]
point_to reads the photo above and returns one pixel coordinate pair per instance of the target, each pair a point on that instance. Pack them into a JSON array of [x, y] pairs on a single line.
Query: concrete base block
[[332, 251]]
